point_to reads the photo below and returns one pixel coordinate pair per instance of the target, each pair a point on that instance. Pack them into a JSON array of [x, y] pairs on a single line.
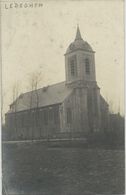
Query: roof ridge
[[42, 88]]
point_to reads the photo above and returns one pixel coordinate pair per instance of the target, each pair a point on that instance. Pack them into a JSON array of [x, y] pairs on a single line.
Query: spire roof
[[78, 34], [79, 43]]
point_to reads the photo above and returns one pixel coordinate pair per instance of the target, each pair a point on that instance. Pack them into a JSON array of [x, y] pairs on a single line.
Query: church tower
[[79, 62], [81, 76]]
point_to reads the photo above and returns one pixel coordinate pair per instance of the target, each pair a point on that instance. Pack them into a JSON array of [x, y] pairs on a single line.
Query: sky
[[36, 39]]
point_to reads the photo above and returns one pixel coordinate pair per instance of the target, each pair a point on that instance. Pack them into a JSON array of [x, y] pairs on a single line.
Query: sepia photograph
[[62, 113]]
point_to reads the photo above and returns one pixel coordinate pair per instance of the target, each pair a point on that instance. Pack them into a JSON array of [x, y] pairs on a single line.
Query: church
[[73, 108]]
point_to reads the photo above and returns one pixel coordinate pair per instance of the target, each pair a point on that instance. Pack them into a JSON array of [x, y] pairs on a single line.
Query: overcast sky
[[37, 38]]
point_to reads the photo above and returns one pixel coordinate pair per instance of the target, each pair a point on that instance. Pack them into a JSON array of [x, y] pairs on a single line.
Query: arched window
[[73, 66], [45, 117], [69, 116], [87, 66]]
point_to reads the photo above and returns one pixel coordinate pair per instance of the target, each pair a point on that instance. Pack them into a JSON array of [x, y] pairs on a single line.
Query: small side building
[[74, 107]]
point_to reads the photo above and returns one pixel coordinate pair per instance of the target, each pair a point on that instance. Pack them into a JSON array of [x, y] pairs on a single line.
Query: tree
[[15, 94], [34, 81]]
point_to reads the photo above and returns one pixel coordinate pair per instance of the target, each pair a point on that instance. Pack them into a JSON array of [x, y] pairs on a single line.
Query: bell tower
[[79, 61], [81, 76]]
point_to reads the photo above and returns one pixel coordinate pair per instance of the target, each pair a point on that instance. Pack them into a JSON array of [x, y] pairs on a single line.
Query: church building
[[74, 107]]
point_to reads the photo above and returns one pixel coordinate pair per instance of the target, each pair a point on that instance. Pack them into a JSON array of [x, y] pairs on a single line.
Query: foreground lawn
[[33, 169]]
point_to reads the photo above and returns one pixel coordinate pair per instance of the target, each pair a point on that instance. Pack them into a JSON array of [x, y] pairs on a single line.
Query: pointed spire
[[78, 34]]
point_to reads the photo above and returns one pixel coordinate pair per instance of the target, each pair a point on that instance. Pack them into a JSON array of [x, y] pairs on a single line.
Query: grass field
[[33, 169]]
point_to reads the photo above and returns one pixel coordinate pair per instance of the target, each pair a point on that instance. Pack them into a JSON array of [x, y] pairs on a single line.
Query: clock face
[[72, 46]]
